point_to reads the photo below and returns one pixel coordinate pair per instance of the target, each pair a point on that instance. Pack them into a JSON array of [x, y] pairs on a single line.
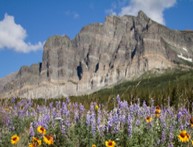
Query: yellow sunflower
[[148, 119], [48, 139], [110, 143], [31, 145], [184, 136], [36, 141], [93, 145], [191, 122], [41, 130], [14, 139], [192, 142]]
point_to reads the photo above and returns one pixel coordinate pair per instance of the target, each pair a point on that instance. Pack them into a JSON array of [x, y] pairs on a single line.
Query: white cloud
[[153, 8], [12, 36]]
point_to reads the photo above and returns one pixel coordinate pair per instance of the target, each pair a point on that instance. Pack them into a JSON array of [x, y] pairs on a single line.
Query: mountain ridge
[[100, 55]]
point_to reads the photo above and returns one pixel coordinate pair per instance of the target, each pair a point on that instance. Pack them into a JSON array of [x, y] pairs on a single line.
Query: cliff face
[[122, 48]]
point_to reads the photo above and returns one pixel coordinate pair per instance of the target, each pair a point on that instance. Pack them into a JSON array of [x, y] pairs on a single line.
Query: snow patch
[[185, 49], [184, 58]]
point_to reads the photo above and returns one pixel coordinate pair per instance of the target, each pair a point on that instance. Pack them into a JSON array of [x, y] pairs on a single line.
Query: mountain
[[101, 55]]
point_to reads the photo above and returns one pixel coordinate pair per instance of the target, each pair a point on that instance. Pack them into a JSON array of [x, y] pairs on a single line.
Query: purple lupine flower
[[129, 122], [81, 108], [179, 115], [182, 127], [100, 123], [44, 121], [46, 118], [171, 145], [145, 110], [131, 110], [144, 104], [24, 112], [67, 100], [76, 116], [58, 105], [31, 130], [122, 118], [65, 114], [137, 123], [88, 119], [170, 112], [51, 105], [62, 128], [64, 110], [163, 137], [93, 122], [76, 112], [81, 111], [13, 100], [91, 119], [116, 122], [163, 120], [136, 108], [99, 117], [54, 113], [171, 134], [123, 104]]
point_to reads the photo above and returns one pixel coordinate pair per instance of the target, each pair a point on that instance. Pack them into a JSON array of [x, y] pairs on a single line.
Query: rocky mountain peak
[[101, 55], [142, 15]]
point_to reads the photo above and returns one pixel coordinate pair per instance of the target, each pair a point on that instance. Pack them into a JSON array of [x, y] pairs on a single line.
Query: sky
[[25, 25]]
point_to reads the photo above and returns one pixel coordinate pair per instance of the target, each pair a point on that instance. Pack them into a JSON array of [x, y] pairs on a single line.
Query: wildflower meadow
[[24, 123]]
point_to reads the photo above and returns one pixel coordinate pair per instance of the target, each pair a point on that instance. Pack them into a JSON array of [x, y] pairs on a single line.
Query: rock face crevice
[[101, 55]]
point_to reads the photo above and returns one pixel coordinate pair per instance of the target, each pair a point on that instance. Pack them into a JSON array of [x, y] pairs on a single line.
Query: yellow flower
[[41, 130], [157, 111], [148, 119], [158, 108], [191, 122], [96, 107], [14, 139], [110, 143], [48, 139], [192, 142], [184, 136], [93, 145], [36, 141], [31, 145]]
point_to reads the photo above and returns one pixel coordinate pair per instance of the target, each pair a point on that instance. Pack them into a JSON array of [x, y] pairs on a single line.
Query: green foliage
[[17, 126], [173, 87]]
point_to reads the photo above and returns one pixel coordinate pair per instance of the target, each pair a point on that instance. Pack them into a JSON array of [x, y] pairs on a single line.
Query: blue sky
[[26, 24]]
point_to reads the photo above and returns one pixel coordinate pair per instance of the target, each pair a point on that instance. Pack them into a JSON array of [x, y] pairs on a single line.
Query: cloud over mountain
[[12, 36], [153, 8]]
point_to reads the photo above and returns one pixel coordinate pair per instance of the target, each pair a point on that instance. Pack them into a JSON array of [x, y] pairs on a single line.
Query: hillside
[[174, 86]]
